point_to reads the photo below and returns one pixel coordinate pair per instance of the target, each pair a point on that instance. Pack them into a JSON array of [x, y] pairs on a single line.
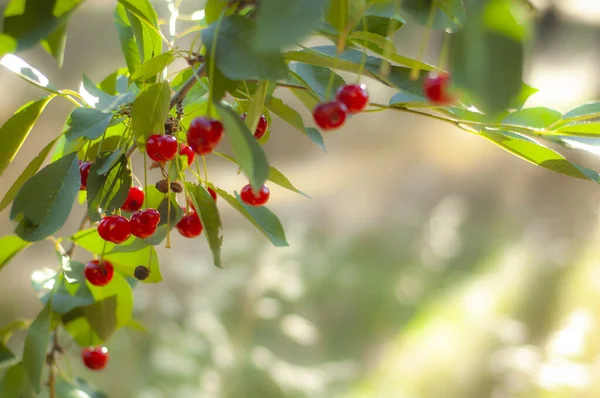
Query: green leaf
[[89, 123], [100, 100], [282, 23], [316, 79], [78, 389], [344, 14], [533, 117], [27, 72], [384, 47], [7, 330], [66, 295], [448, 16], [107, 193], [56, 42], [409, 100], [153, 66], [95, 323], [487, 62], [11, 246], [535, 153], [127, 39], [16, 129], [143, 9], [36, 344], [261, 217], [27, 22], [14, 382], [255, 108], [206, 208], [105, 163], [585, 111], [144, 24], [150, 111], [247, 151], [124, 262], [235, 54], [381, 19], [115, 83], [213, 9], [590, 129], [278, 178], [293, 118], [44, 202]]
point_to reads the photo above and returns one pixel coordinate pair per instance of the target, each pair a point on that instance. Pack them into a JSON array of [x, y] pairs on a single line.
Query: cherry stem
[[51, 360], [145, 182], [363, 60], [168, 244], [205, 169]]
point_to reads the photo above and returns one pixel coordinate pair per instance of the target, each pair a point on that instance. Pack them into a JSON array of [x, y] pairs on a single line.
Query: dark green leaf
[[293, 118], [206, 208], [67, 296], [115, 83], [11, 246], [235, 55], [255, 109], [153, 66], [247, 151], [89, 123], [493, 78], [534, 152], [36, 344], [78, 389], [262, 218], [107, 193], [381, 19], [124, 262], [26, 23], [533, 117], [14, 382], [7, 358], [44, 202], [282, 23], [278, 178], [105, 163], [127, 39], [150, 111], [316, 79], [16, 129], [409, 100]]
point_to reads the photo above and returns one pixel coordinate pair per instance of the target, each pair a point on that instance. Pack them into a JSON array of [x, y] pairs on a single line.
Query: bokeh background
[[428, 263]]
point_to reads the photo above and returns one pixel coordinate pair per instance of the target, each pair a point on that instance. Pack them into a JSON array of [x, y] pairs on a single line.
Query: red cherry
[[95, 358], [354, 96], [435, 87], [212, 193], [204, 135], [161, 148], [84, 171], [115, 229], [330, 115], [261, 127], [255, 199], [190, 225], [186, 150], [99, 273], [143, 223], [134, 201]]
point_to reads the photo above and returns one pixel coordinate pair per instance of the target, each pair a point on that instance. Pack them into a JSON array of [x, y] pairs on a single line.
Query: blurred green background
[[429, 263]]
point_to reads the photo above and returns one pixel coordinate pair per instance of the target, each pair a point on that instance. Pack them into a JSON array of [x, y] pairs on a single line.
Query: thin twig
[[73, 246], [55, 350]]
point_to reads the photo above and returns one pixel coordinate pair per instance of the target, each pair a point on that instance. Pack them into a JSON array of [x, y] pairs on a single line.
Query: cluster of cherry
[[203, 135]]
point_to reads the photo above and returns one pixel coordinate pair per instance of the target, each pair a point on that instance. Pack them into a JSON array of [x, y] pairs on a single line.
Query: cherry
[[204, 135], [134, 201], [115, 229], [435, 87], [251, 198], [95, 358], [354, 96], [99, 273], [190, 225], [212, 193], [330, 115], [143, 223], [186, 150], [161, 148], [84, 171], [261, 127]]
